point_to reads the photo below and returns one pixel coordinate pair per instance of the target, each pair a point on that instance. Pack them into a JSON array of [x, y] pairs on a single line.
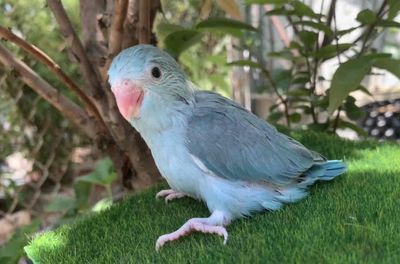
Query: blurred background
[[325, 65]]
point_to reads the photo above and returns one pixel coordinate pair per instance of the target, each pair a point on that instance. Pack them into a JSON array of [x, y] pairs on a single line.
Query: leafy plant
[[104, 175], [179, 39], [198, 40], [13, 250], [316, 41]]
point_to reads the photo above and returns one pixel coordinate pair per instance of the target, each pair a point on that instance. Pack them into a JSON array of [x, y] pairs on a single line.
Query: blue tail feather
[[324, 171]]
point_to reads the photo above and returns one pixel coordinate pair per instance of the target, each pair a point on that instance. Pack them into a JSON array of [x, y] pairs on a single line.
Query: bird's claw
[[190, 227], [169, 195]]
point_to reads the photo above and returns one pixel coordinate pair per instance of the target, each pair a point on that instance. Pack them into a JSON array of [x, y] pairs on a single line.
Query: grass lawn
[[353, 219]]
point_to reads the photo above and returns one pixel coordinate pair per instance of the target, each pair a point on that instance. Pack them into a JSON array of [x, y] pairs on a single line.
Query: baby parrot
[[208, 147]]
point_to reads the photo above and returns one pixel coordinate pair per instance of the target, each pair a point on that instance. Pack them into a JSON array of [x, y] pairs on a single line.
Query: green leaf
[[299, 99], [309, 39], [282, 11], [306, 108], [303, 74], [263, 2], [262, 88], [284, 54], [363, 89], [318, 127], [352, 110], [316, 25], [217, 59], [366, 17], [348, 77], [220, 83], [103, 174], [296, 45], [321, 101], [332, 50], [346, 31], [164, 29], [301, 80], [102, 204], [295, 117], [375, 56], [388, 23], [222, 24], [273, 107], [82, 193], [60, 204], [394, 8], [13, 250], [243, 63], [179, 41], [301, 9], [275, 116], [352, 126], [282, 78], [389, 64], [300, 91]]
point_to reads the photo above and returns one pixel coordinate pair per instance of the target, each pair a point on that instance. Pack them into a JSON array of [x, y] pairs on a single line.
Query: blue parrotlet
[[207, 146]]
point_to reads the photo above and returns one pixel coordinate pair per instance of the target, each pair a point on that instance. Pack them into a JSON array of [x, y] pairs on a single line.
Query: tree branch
[[116, 33], [144, 22], [368, 31], [76, 46], [331, 12], [130, 26], [93, 40], [51, 65], [49, 93], [283, 100]]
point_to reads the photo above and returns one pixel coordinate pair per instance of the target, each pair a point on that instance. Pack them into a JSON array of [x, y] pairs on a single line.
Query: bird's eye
[[156, 72]]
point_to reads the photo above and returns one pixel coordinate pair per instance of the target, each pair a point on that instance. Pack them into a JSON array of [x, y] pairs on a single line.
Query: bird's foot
[[169, 195], [211, 225]]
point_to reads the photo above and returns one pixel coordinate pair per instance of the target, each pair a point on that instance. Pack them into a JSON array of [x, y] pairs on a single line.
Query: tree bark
[[45, 90], [130, 37], [52, 66], [116, 33], [144, 22], [94, 40], [107, 27]]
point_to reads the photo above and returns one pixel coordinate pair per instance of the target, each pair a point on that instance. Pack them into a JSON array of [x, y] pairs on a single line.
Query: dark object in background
[[382, 119]]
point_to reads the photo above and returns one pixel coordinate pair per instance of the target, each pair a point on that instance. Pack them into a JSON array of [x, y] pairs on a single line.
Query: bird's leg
[[212, 225], [169, 195]]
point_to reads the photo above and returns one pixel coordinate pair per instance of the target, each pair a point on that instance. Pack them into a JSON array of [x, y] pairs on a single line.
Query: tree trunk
[[108, 26]]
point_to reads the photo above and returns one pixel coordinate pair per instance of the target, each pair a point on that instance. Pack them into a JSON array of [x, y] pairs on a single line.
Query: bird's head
[[146, 80]]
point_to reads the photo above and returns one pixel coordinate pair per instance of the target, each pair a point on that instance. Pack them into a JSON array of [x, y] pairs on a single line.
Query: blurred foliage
[[316, 41], [199, 40], [29, 124], [199, 34], [103, 175], [70, 206], [188, 35], [14, 249]]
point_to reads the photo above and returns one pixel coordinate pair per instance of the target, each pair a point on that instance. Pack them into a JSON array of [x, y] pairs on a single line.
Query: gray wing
[[235, 144]]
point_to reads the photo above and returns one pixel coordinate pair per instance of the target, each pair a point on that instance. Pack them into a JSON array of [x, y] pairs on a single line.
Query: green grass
[[353, 219]]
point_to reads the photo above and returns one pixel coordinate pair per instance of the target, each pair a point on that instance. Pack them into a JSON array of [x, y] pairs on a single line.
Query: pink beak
[[129, 96]]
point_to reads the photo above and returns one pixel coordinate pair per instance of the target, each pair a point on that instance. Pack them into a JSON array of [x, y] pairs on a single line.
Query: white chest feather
[[174, 161]]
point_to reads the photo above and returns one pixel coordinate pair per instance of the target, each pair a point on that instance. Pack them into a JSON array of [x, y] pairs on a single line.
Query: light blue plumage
[[207, 146]]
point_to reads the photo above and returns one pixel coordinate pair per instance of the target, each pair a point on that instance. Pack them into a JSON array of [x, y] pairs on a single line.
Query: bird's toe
[[164, 193]]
